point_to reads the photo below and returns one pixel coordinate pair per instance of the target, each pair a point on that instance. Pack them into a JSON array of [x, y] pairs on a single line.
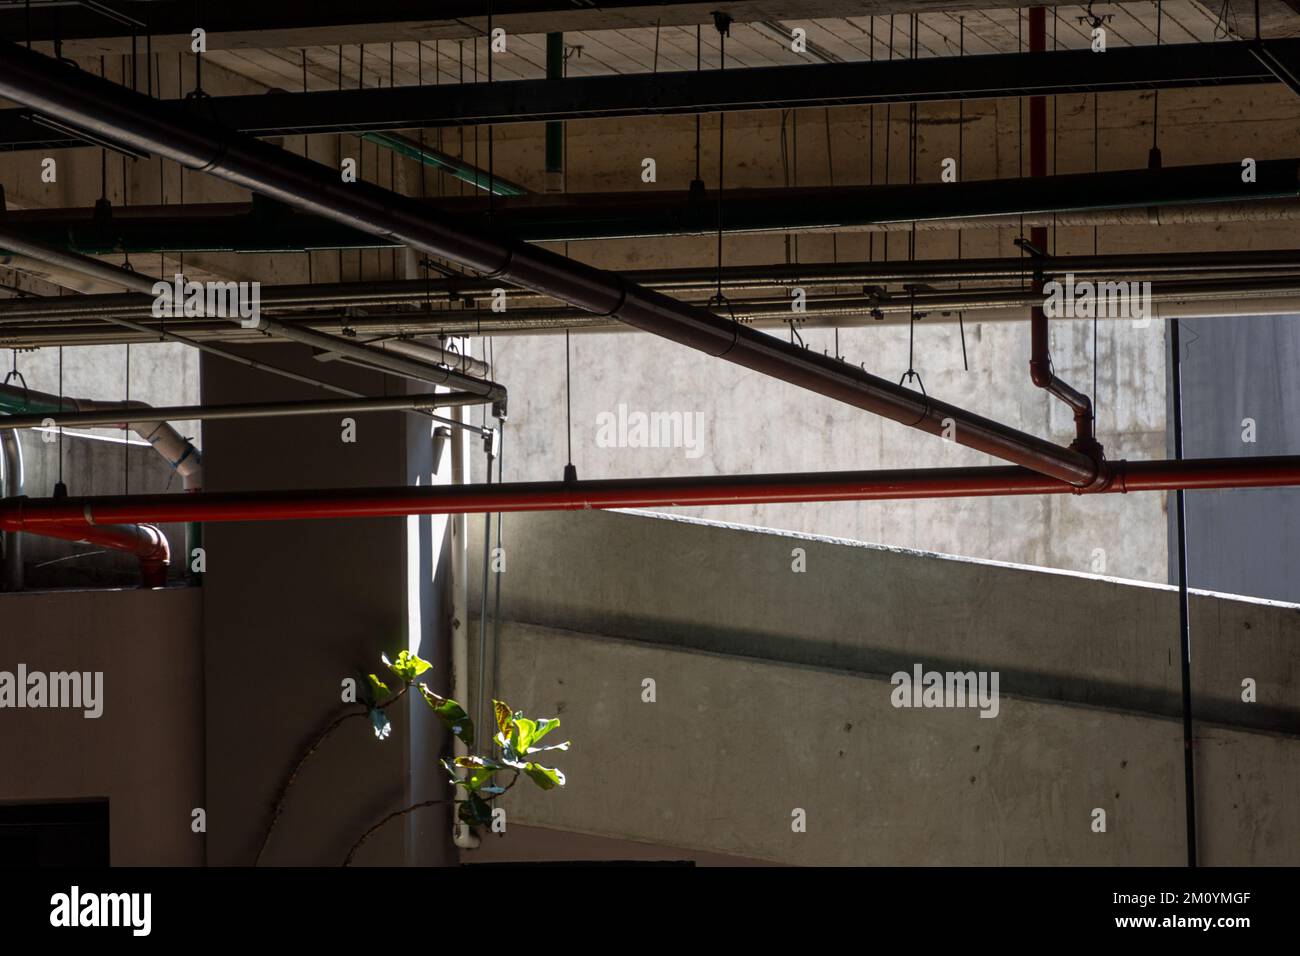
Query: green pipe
[[432, 157], [11, 404]]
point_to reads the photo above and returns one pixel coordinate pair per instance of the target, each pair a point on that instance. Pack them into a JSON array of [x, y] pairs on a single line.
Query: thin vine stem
[[411, 809], [307, 755]]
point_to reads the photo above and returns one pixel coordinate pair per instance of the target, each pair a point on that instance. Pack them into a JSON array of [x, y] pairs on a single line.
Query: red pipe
[[144, 541], [39, 514], [1040, 361]]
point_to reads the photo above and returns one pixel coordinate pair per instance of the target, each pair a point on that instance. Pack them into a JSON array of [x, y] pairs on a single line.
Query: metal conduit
[[127, 118], [1208, 299], [106, 414], [281, 505], [1263, 264], [389, 362]]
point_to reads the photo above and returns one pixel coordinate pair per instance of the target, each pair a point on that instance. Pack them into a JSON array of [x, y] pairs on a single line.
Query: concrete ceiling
[[673, 48], [298, 24]]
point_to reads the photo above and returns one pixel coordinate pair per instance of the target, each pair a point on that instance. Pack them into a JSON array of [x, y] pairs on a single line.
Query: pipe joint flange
[[1104, 476]]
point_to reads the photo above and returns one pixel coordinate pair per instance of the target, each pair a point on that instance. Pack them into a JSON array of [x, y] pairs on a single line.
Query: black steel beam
[[778, 87], [1282, 61], [541, 218], [104, 25]]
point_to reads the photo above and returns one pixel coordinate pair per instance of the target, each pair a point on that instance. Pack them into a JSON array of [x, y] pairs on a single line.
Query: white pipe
[[174, 447], [462, 835]]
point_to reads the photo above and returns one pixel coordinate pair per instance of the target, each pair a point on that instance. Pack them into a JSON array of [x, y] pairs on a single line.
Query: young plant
[[517, 738]]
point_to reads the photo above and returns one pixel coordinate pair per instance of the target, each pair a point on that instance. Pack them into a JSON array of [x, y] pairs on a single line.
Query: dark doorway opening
[[54, 834]]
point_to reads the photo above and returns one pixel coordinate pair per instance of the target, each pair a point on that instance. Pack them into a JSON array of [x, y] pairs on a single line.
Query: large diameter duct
[[132, 119]]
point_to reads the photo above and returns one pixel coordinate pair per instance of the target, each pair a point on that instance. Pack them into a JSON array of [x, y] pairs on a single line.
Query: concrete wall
[[145, 754], [773, 693]]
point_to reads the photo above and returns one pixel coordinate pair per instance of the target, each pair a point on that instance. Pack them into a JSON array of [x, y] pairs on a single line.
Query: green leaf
[[379, 720], [520, 735], [474, 811], [538, 750], [376, 690], [451, 714], [479, 778], [524, 730], [543, 727], [408, 666], [472, 760], [452, 775], [548, 778]]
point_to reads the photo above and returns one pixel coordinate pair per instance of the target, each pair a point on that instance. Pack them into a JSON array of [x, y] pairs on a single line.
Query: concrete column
[[292, 609]]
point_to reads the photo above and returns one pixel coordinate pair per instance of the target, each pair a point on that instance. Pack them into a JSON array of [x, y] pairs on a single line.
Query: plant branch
[[392, 816], [306, 755]]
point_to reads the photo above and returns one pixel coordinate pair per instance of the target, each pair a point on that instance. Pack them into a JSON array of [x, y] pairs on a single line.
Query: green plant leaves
[[474, 811], [519, 736], [376, 690], [548, 778], [408, 666], [379, 721], [480, 771], [451, 714]]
